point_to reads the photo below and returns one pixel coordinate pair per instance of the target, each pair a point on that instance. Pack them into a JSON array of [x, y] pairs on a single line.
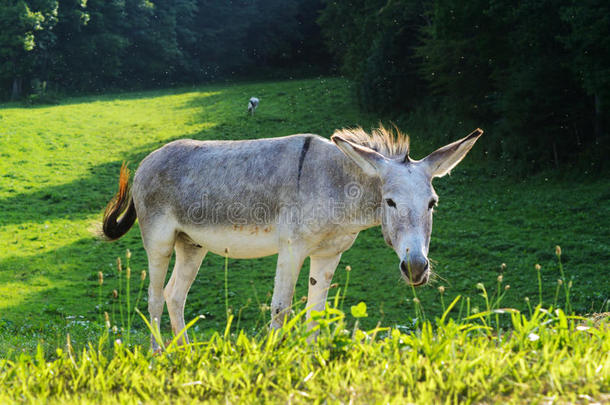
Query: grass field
[[59, 167]]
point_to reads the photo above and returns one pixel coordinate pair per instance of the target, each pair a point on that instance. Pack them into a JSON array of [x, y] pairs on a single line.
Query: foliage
[[92, 45], [588, 42], [539, 102], [373, 44], [534, 74], [19, 23]]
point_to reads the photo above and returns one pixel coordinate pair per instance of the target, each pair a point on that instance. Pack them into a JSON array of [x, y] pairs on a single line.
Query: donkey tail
[[122, 203]]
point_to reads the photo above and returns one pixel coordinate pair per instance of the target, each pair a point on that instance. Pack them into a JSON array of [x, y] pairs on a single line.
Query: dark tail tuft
[[121, 203]]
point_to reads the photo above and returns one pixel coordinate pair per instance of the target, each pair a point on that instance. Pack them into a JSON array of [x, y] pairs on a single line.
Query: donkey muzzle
[[416, 269]]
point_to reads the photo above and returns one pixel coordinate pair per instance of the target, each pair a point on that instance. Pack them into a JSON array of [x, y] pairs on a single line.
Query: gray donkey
[[297, 196]]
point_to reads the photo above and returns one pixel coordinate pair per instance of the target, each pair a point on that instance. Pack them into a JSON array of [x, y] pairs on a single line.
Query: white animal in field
[[297, 196], [252, 104]]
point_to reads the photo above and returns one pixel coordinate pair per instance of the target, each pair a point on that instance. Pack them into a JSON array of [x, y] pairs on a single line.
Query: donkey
[[297, 196], [252, 104]]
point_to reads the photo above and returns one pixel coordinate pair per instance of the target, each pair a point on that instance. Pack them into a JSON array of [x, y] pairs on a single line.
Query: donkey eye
[[431, 204], [390, 202]]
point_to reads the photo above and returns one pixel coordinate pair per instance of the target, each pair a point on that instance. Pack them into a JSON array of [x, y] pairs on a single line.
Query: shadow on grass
[[117, 96], [64, 282], [242, 86]]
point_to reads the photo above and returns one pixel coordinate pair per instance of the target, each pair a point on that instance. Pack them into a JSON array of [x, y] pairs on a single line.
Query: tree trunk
[[598, 120], [16, 93]]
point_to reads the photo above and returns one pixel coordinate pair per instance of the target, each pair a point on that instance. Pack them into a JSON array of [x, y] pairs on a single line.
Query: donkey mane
[[391, 143]]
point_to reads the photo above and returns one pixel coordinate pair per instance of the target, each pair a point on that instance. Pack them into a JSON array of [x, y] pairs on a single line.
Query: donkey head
[[408, 198]]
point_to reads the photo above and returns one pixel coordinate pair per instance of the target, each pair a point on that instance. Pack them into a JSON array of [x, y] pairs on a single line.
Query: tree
[[348, 29], [375, 42], [389, 78], [462, 45], [19, 24], [267, 40], [92, 44], [65, 68], [588, 41], [536, 72], [540, 107], [220, 32]]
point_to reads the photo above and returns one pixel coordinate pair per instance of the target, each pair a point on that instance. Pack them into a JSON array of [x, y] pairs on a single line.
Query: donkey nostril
[[417, 270]]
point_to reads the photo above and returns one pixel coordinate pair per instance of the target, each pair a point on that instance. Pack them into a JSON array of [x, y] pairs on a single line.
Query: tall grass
[[550, 354], [548, 357]]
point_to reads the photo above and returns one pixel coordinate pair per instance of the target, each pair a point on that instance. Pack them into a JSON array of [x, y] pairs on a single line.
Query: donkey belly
[[242, 241]]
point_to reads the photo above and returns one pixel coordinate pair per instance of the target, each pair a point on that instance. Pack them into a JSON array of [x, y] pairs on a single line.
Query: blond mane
[[389, 142]]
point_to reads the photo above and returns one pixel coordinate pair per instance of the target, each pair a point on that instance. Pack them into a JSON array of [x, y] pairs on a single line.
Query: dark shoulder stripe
[[302, 158]]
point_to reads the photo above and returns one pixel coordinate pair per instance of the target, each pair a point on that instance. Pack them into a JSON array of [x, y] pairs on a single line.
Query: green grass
[[59, 167], [547, 357]]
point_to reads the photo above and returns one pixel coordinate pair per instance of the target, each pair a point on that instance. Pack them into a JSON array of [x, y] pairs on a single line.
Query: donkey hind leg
[[188, 260], [159, 252], [289, 262]]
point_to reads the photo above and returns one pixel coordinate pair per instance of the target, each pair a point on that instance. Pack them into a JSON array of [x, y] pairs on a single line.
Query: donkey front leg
[[321, 274], [289, 262]]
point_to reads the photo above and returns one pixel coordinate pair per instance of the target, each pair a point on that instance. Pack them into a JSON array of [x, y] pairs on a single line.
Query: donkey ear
[[441, 161], [369, 161]]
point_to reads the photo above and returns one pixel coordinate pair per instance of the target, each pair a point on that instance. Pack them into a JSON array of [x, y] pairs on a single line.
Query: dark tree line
[[94, 45], [535, 72]]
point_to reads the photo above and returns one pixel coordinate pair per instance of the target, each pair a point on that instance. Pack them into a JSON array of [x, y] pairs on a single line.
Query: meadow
[[59, 167]]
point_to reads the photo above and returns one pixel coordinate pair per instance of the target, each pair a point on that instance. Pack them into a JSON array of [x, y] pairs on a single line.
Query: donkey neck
[[370, 205], [362, 195]]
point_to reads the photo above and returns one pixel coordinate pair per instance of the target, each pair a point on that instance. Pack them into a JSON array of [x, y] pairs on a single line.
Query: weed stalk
[[120, 295], [140, 289], [348, 270], [538, 268], [559, 284], [127, 301], [567, 285], [481, 287], [100, 281], [496, 304], [227, 283]]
